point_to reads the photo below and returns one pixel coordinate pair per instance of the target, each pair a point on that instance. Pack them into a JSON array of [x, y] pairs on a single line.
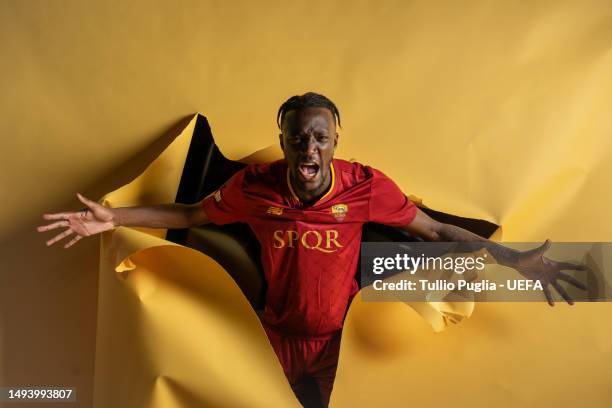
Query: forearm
[[469, 241], [158, 216]]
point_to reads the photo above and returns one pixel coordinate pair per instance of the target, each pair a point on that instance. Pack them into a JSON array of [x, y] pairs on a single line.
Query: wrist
[[511, 258], [516, 259], [116, 218]]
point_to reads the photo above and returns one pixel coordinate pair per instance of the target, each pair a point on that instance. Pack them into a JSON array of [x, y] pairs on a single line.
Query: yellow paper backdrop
[[493, 110]]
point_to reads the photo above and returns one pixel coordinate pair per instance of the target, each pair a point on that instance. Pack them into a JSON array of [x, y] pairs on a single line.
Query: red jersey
[[309, 253]]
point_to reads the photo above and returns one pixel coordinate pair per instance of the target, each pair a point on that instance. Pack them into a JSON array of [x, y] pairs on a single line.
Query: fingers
[[49, 227], [89, 203], [571, 266], [562, 292], [537, 252], [59, 236], [572, 280], [544, 247], [73, 241], [548, 295], [58, 216]]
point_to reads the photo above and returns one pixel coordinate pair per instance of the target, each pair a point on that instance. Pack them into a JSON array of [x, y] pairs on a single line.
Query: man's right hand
[[93, 219]]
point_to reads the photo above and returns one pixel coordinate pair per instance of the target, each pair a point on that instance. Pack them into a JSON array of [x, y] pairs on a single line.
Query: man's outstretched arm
[[432, 230], [531, 264], [96, 218]]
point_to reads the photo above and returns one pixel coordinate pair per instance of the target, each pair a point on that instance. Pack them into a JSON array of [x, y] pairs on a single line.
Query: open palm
[[93, 219], [535, 266]]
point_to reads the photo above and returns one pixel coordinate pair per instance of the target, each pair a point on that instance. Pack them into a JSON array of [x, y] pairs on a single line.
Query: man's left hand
[[535, 266]]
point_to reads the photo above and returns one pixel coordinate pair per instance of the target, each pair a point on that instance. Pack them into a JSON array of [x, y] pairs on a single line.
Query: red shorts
[[302, 358]]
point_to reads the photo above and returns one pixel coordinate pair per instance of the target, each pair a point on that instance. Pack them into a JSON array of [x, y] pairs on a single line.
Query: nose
[[308, 145], [311, 145]]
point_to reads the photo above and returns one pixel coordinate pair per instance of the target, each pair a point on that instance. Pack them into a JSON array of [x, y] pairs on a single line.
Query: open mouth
[[307, 171]]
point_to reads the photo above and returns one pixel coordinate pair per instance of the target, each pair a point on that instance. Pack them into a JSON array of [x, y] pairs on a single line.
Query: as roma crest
[[339, 211]]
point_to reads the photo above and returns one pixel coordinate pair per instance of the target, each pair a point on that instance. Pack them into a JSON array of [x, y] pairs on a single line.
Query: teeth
[[308, 169]]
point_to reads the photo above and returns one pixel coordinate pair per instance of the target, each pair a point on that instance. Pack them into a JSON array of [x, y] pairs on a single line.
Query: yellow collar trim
[[329, 190]]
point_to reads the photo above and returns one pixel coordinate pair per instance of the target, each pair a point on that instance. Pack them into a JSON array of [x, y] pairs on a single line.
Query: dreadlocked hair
[[308, 100]]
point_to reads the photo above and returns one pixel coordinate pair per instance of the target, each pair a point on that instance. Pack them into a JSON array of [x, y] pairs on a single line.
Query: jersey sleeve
[[227, 204], [388, 204]]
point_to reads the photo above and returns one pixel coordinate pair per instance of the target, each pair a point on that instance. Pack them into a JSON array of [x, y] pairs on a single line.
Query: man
[[307, 212]]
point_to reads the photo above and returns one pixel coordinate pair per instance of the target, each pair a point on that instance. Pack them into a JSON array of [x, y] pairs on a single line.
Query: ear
[[280, 139], [336, 136]]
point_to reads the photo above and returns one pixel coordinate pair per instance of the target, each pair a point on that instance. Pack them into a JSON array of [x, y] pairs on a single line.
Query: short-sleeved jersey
[[309, 253]]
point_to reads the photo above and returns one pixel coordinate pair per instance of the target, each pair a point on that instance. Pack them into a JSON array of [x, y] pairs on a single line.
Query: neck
[[308, 197]]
